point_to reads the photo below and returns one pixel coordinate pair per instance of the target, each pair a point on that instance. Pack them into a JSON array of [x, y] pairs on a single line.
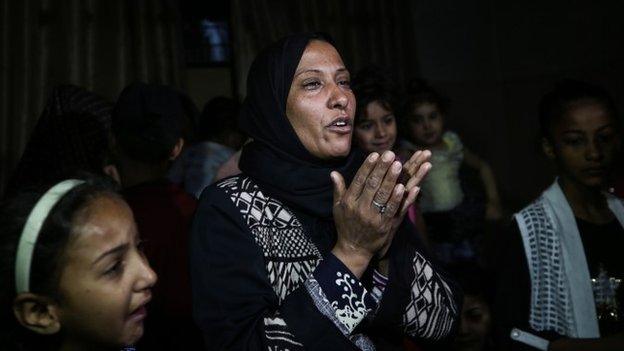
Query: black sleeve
[[512, 297], [420, 300], [234, 303]]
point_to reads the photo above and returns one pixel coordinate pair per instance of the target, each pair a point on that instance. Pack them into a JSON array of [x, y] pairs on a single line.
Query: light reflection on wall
[[216, 35]]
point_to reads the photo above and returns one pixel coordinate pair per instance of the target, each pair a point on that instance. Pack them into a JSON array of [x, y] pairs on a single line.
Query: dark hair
[[72, 142], [47, 256], [147, 121], [190, 118], [219, 117], [372, 84], [473, 280], [556, 103], [420, 92]]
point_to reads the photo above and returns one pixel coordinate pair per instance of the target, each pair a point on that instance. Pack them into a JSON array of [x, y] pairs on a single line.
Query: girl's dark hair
[[556, 103], [373, 84], [420, 92], [473, 279], [47, 255]]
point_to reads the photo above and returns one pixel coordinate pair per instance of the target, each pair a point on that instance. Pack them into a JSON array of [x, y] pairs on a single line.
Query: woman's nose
[[338, 98]]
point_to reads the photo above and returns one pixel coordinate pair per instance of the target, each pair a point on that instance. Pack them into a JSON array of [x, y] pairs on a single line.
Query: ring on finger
[[380, 207]]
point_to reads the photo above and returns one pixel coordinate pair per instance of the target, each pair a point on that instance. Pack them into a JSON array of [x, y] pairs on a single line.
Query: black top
[[259, 282], [603, 245], [512, 303]]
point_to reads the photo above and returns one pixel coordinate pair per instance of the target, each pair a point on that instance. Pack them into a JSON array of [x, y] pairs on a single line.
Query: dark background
[[494, 59]]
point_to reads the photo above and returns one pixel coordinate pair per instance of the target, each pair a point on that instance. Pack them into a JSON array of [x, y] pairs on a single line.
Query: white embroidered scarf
[[562, 299]]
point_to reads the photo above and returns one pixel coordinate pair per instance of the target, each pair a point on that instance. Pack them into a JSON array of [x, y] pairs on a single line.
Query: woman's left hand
[[416, 168]]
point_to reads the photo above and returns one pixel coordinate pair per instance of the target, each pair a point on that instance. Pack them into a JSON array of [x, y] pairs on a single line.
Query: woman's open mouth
[[342, 125]]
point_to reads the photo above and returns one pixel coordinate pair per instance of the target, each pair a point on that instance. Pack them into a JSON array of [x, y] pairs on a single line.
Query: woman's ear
[[37, 313], [177, 149], [548, 148]]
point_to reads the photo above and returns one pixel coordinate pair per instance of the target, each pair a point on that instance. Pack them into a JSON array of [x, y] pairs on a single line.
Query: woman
[[279, 262], [558, 283]]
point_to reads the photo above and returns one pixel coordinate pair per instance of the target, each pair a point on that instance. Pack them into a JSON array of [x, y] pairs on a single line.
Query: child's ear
[[37, 313], [177, 149], [548, 148], [111, 171]]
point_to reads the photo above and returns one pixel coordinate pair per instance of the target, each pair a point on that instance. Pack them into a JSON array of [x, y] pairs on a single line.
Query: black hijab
[[276, 159]]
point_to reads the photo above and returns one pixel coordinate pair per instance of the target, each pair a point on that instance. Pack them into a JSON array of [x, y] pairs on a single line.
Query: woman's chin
[[335, 149]]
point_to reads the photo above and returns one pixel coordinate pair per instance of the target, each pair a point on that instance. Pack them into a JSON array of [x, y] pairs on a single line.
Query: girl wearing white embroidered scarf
[[72, 275], [581, 134]]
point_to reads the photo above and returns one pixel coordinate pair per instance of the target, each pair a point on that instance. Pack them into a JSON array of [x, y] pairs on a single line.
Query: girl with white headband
[[73, 277]]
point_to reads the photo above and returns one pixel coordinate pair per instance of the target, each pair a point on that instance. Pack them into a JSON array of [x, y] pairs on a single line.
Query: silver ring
[[380, 207]]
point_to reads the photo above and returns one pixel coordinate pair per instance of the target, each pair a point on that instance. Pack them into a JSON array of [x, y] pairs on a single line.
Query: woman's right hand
[[363, 229]]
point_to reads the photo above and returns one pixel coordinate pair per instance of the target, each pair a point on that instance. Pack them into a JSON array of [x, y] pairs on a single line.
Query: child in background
[[451, 217], [560, 267], [376, 123], [73, 277]]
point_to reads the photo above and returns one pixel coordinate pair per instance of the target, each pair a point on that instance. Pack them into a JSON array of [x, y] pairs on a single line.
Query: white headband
[[30, 233]]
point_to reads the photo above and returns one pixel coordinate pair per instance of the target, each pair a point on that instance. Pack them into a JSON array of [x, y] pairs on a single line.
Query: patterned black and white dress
[[264, 279]]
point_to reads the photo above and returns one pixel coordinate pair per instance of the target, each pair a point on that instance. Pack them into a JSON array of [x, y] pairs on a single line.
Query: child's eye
[[116, 269], [416, 119], [433, 115], [365, 126], [573, 141], [389, 119], [604, 138]]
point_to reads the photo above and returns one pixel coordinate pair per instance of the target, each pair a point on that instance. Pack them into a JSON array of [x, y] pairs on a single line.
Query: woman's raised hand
[[367, 214], [417, 168]]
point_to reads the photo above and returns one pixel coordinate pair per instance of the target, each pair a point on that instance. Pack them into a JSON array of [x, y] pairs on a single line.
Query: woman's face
[[426, 124], [585, 143], [106, 280], [376, 130], [320, 104]]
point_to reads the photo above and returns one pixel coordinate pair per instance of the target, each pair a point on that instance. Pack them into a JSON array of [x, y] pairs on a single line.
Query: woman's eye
[[345, 82], [433, 115], [311, 85], [389, 119]]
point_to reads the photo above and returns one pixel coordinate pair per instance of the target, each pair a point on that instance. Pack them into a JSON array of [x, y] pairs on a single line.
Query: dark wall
[[495, 59]]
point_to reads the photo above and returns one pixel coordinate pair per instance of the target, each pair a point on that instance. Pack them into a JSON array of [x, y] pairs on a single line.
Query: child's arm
[[493, 209]]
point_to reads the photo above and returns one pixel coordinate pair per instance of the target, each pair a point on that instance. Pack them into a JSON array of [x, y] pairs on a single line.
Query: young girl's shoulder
[[452, 141]]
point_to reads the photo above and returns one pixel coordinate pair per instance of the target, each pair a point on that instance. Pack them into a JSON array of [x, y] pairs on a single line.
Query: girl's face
[[320, 104], [376, 130], [426, 124], [585, 143], [474, 325], [105, 283]]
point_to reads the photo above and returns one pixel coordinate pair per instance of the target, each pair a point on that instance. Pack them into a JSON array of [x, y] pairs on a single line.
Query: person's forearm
[[356, 260], [489, 183]]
